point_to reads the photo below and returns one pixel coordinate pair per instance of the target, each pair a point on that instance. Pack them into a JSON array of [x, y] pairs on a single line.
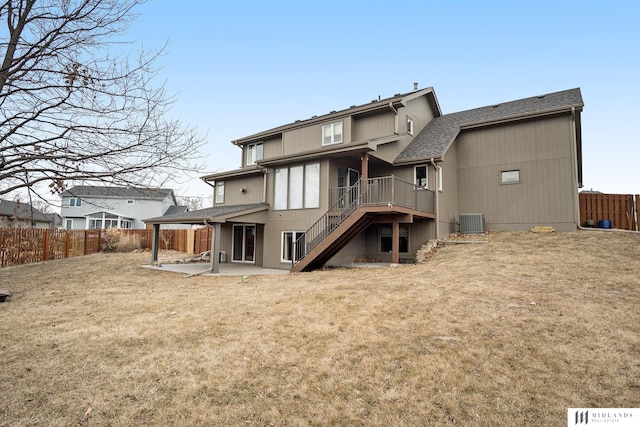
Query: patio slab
[[226, 269]]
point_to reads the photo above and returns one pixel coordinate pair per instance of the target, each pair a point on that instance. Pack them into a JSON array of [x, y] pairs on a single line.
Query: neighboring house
[[379, 180], [56, 220], [21, 215], [89, 207]]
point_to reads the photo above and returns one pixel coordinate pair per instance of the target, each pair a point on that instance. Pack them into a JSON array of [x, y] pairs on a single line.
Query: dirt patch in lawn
[[512, 332]]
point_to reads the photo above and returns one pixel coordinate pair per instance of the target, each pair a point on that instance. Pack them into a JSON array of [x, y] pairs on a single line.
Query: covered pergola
[[213, 218]]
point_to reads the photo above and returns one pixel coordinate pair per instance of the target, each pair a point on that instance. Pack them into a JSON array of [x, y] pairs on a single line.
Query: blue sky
[[243, 67]]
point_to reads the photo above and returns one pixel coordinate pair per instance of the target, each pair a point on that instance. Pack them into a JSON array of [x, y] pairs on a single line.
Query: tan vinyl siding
[[448, 197], [373, 126], [310, 137], [419, 110], [233, 195], [273, 147], [541, 151]]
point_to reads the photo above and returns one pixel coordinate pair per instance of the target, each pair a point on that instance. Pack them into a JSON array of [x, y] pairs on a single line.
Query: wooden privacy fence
[[28, 245], [620, 209]]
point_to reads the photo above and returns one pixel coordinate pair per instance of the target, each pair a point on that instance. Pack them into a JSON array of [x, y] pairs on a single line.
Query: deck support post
[[395, 241], [364, 175]]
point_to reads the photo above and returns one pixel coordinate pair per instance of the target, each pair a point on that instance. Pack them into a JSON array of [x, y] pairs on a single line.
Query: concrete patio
[[226, 269]]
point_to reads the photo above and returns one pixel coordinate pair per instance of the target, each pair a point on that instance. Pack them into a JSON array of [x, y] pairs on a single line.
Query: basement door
[[244, 243]]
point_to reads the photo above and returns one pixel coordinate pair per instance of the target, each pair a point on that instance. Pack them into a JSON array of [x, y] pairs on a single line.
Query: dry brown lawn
[[508, 333]]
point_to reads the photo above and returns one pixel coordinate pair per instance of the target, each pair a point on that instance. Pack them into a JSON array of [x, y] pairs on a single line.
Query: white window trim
[[68, 224], [295, 237], [309, 196], [77, 202], [409, 125], [510, 181], [219, 192], [415, 176], [331, 127], [252, 153]]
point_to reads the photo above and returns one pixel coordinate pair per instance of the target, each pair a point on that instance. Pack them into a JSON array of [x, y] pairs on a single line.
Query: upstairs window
[[220, 192], [75, 202], [409, 126], [332, 134], [254, 153], [421, 176]]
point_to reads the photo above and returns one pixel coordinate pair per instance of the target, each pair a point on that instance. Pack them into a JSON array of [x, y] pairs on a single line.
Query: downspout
[[264, 185], [395, 118], [437, 206]]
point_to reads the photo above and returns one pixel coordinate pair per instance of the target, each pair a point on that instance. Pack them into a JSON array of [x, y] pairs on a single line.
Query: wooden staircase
[[337, 239], [353, 213]]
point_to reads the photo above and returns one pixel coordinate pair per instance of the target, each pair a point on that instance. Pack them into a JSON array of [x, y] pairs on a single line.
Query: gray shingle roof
[[21, 211], [435, 138], [175, 209], [117, 192], [199, 215]]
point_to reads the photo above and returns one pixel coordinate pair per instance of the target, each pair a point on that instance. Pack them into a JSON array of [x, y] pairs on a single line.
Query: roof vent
[[495, 106], [542, 96], [415, 87], [472, 223]]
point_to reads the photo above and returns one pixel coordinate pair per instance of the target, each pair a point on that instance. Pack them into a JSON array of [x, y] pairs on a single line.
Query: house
[[88, 207], [379, 180], [22, 215]]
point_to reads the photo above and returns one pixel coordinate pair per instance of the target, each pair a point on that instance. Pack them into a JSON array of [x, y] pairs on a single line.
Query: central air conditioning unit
[[472, 223], [223, 256]]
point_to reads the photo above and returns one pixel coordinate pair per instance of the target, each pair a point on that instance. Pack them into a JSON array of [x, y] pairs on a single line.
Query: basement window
[[289, 238], [386, 239], [510, 177]]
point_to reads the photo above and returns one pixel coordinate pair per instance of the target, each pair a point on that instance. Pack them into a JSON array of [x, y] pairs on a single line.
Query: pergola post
[[215, 247], [154, 244]]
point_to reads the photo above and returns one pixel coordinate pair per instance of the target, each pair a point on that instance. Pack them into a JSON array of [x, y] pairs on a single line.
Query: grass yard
[[509, 333]]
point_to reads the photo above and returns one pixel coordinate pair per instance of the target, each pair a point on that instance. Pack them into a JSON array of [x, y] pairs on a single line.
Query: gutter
[[395, 131]]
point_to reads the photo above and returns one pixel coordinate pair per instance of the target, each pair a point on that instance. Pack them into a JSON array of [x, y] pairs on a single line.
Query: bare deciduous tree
[[74, 105]]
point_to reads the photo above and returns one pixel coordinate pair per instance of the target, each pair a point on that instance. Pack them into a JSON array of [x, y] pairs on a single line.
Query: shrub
[[116, 240]]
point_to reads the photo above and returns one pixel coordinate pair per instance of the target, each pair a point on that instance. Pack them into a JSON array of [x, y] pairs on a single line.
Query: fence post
[[45, 244]]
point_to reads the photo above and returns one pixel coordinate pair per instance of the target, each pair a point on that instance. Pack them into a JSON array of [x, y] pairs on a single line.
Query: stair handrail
[[328, 222]]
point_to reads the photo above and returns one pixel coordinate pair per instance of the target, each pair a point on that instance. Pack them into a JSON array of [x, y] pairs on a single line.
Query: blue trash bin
[[604, 223]]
